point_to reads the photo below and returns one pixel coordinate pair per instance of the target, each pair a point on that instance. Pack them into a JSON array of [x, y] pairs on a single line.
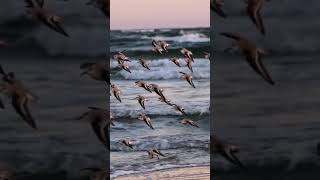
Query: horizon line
[[160, 28]]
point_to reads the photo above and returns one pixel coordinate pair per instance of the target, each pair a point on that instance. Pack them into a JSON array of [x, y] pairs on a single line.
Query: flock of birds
[[253, 55], [161, 48], [21, 96], [100, 118]]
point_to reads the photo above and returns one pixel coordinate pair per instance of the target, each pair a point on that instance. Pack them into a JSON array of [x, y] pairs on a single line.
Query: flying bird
[[188, 78], [20, 96], [141, 100], [254, 12], [165, 100], [216, 6], [116, 92], [187, 53], [127, 143], [125, 67], [189, 122], [97, 71], [156, 153], [157, 90], [189, 64], [176, 61], [157, 47], [37, 10], [121, 57], [179, 108], [164, 45], [226, 150], [252, 53], [144, 85], [100, 122], [146, 119], [144, 64]]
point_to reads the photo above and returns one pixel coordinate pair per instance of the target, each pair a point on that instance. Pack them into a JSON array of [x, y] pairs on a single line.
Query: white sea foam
[[184, 37]]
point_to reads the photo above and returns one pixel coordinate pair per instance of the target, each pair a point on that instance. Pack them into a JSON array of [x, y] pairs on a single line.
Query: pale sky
[[151, 14]]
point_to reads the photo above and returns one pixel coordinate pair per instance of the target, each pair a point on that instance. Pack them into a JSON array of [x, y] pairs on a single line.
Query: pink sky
[[150, 14]]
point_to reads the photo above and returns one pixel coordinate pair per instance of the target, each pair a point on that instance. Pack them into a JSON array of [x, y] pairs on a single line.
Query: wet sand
[[188, 173]]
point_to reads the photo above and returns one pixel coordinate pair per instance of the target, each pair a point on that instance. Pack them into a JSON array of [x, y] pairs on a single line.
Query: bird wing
[[231, 35], [228, 158], [117, 95], [158, 152], [148, 122], [237, 161], [254, 59], [191, 82], [155, 44], [99, 131], [55, 25], [17, 103], [260, 23], [194, 124], [30, 119], [251, 10], [141, 102], [264, 73]]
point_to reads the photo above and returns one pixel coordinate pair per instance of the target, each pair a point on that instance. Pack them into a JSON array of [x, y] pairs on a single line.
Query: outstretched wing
[[30, 119], [55, 25], [17, 104], [99, 131]]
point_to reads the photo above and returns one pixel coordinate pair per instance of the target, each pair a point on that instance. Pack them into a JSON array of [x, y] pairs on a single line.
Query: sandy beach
[[188, 173]]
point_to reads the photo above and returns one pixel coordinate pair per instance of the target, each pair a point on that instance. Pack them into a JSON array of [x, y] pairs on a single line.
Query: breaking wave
[[162, 69]]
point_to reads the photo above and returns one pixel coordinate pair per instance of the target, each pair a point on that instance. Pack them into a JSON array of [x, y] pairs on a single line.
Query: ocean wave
[[133, 113], [184, 37], [164, 142], [162, 69]]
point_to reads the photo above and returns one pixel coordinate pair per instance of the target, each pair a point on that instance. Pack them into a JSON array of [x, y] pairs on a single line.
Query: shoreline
[[185, 173]]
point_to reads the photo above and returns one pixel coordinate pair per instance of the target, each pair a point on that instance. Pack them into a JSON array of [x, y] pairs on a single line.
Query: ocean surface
[[276, 127], [183, 145], [62, 145]]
